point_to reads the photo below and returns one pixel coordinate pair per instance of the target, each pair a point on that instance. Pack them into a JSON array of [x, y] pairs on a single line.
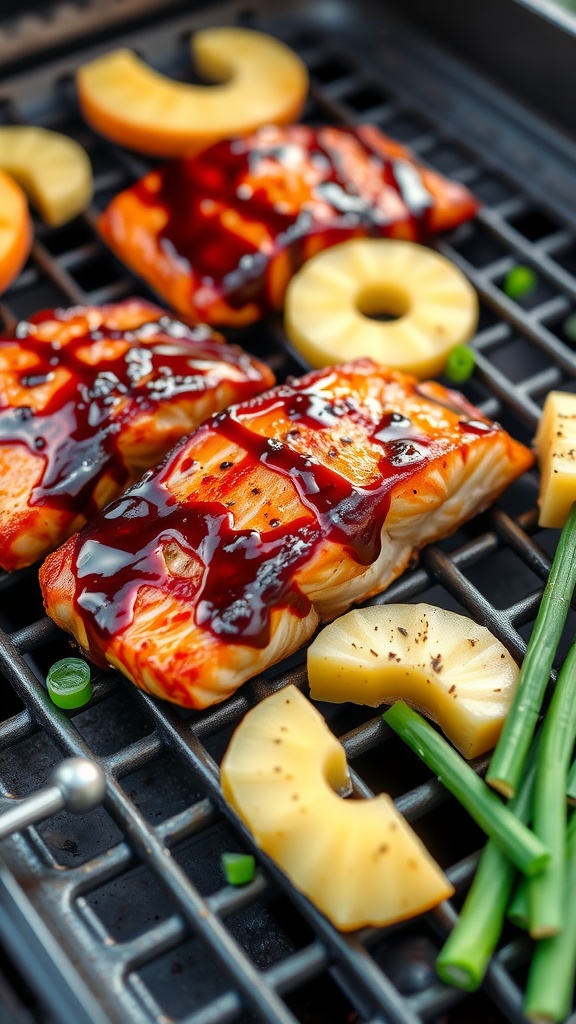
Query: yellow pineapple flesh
[[52, 168], [357, 860], [441, 663], [331, 300]]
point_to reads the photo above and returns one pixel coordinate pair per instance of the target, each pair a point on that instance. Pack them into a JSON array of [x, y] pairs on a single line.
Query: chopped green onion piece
[[547, 903], [551, 978], [238, 868], [460, 364], [464, 958], [68, 683], [520, 282], [569, 327], [508, 759], [520, 845]]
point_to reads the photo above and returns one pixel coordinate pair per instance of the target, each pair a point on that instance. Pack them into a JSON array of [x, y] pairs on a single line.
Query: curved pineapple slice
[[357, 860], [444, 664], [52, 168], [330, 301], [260, 81]]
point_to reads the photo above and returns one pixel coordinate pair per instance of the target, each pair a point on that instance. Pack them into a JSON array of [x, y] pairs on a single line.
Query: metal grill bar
[[144, 843], [345, 978]]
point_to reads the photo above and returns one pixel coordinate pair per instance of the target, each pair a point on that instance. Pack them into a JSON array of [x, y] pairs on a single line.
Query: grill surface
[[132, 892]]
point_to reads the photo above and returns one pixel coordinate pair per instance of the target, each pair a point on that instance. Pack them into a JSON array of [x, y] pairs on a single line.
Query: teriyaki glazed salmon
[[274, 515], [92, 396]]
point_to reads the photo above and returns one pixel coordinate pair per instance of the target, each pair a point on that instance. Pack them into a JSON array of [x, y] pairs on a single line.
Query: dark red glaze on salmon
[[89, 398], [220, 234], [281, 511]]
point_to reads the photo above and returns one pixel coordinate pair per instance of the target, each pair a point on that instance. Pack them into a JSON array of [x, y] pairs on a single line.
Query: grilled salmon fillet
[[220, 234], [90, 397], [274, 515]]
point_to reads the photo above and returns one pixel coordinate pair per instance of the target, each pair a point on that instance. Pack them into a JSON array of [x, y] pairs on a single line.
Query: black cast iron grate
[[132, 892]]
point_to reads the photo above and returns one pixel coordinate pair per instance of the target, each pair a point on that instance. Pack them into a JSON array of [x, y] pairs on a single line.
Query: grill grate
[[132, 892]]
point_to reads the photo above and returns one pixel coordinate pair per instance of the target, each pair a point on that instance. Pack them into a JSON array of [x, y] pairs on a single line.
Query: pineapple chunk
[[556, 450], [441, 663], [329, 303], [260, 81], [52, 168], [357, 860]]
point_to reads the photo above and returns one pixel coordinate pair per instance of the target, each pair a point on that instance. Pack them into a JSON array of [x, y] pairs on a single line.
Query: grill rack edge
[[315, 974]]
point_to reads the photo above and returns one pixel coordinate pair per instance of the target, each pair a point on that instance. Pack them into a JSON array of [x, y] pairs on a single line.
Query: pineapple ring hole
[[383, 302]]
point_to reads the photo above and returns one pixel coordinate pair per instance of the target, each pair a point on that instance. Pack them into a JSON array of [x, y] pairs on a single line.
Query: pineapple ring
[[357, 860], [260, 81], [52, 168], [441, 663], [330, 301]]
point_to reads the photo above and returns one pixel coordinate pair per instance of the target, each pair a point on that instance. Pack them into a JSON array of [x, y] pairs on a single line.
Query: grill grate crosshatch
[[132, 892]]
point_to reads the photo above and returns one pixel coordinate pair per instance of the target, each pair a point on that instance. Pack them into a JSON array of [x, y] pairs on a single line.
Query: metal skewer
[[76, 785]]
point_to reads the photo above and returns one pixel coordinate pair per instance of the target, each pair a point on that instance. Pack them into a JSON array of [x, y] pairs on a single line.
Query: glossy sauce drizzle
[[244, 573], [78, 429], [230, 209]]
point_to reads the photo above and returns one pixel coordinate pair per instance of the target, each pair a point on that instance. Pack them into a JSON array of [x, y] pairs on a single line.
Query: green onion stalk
[[519, 909], [571, 786], [508, 759], [553, 969], [464, 958], [547, 903], [521, 846]]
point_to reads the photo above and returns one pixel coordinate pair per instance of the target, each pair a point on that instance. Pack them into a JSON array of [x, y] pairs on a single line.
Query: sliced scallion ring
[[569, 327], [520, 281], [460, 363], [238, 868], [68, 683]]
